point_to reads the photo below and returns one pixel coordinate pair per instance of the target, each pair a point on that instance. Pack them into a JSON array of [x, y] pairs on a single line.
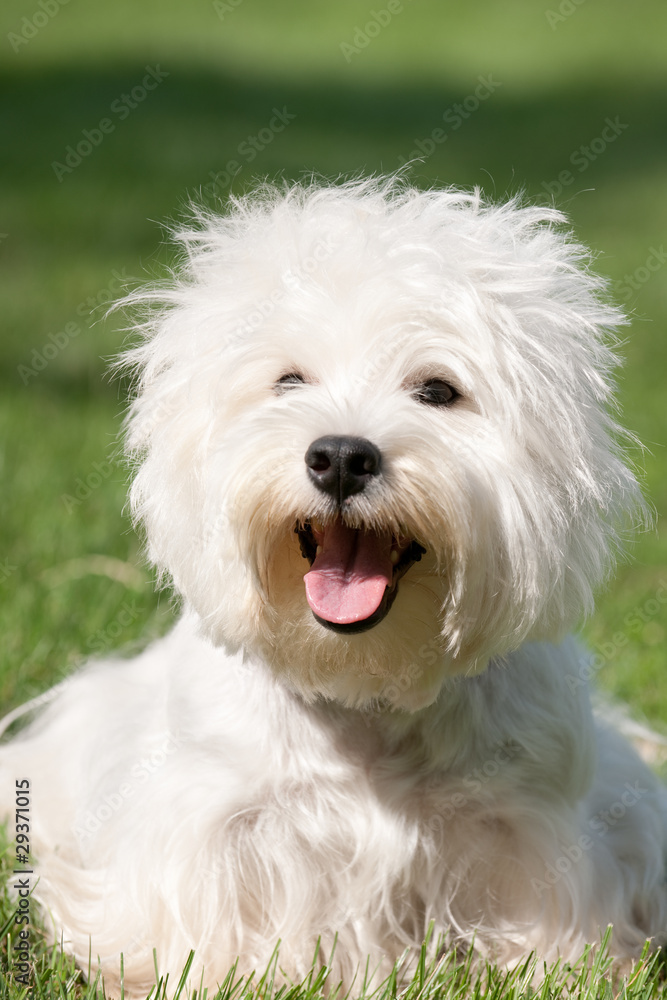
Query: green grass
[[434, 974], [69, 571]]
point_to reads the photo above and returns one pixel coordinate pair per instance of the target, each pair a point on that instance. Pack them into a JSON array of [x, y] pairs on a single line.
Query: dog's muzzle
[[354, 575]]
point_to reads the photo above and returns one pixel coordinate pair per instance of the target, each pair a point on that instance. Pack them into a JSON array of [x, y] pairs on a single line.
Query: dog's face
[[374, 437]]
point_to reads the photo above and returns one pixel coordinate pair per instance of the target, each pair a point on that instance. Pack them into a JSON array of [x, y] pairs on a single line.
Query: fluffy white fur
[[255, 776]]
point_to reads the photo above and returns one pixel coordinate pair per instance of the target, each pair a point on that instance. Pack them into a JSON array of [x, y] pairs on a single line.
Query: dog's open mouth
[[354, 574]]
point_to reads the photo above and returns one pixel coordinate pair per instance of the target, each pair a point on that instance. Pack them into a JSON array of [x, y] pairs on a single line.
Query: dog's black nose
[[342, 466]]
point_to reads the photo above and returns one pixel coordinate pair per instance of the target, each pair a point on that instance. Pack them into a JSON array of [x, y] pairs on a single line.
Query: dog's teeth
[[394, 557], [318, 550]]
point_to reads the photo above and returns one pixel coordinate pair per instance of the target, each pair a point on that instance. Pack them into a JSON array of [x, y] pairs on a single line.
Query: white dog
[[376, 455]]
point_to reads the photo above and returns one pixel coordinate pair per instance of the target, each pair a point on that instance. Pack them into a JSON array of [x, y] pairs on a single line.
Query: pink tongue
[[348, 578]]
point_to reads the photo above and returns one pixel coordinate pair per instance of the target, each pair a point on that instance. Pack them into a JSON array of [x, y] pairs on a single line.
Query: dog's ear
[[169, 365], [555, 338], [550, 492]]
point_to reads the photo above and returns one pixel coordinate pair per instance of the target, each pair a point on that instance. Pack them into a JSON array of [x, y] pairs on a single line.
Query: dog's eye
[[289, 381], [435, 392]]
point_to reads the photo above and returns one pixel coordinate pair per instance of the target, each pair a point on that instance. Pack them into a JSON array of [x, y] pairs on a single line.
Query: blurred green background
[[368, 86]]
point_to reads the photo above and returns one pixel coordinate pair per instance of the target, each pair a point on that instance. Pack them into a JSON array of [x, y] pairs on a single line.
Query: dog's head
[[373, 434]]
